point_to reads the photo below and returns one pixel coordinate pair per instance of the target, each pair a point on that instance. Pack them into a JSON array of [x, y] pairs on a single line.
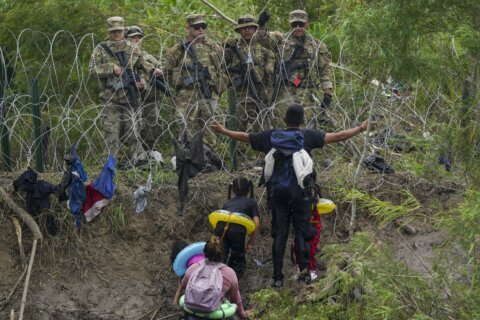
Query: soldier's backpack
[[204, 288], [288, 167]]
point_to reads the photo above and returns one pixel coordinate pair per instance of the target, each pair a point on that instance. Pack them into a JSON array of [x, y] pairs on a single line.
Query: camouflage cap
[[115, 23], [244, 21], [298, 15], [134, 31], [194, 19]]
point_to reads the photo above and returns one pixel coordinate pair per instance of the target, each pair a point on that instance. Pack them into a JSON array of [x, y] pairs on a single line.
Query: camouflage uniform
[[154, 126], [195, 112], [251, 114], [119, 120], [316, 70]]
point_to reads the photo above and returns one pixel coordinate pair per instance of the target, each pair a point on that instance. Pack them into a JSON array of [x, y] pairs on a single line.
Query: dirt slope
[[118, 266]]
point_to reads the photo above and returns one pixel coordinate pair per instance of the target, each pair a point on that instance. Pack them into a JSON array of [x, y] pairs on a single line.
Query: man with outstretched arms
[[290, 179], [303, 66]]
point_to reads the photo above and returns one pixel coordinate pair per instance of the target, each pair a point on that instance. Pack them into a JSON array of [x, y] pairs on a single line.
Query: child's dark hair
[[177, 246], [240, 187], [213, 249]]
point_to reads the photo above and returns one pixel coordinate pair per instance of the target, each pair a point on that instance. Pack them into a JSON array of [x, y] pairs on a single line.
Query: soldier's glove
[[327, 100], [263, 18]]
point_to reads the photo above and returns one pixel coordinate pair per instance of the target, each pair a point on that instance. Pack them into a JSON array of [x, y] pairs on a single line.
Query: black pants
[[233, 245], [284, 211]]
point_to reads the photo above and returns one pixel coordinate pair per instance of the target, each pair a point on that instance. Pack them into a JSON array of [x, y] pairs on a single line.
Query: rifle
[[200, 74], [285, 72], [247, 74], [128, 77], [159, 83]]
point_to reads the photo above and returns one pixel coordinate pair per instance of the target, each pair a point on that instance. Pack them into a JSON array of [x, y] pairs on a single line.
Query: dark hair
[[213, 249], [240, 187], [294, 115], [177, 246]]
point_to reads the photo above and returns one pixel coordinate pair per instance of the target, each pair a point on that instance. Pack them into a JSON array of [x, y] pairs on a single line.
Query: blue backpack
[[283, 182]]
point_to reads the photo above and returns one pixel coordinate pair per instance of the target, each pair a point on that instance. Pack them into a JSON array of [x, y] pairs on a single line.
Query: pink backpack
[[204, 288]]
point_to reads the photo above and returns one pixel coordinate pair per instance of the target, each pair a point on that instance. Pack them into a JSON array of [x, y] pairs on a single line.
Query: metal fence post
[[232, 124], [5, 134], [37, 127]]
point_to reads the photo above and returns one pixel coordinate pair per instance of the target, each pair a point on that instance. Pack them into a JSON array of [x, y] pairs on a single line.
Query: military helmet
[[194, 19], [115, 23], [298, 15], [244, 21], [134, 31]]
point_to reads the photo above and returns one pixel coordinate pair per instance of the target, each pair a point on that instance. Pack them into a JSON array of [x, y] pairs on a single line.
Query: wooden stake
[[27, 279]]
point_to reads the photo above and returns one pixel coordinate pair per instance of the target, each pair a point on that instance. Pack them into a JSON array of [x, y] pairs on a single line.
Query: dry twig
[[5, 302], [223, 15], [18, 231], [32, 225]]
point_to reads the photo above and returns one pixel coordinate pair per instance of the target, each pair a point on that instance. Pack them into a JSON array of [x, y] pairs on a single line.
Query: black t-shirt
[[242, 204], [261, 141]]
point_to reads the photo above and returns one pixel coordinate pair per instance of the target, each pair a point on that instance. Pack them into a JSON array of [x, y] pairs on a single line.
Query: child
[[213, 253], [315, 230], [233, 235]]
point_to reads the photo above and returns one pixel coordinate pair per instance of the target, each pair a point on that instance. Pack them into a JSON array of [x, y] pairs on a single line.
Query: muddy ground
[[118, 266]]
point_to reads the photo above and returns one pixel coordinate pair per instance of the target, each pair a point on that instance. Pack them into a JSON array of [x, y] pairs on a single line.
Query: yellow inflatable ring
[[325, 206], [231, 217]]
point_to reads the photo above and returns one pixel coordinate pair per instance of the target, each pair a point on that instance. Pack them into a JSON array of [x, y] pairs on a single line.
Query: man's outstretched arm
[[345, 134], [235, 135]]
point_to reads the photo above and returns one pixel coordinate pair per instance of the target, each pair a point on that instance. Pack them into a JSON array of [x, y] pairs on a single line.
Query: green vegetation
[[432, 46], [363, 281], [384, 211]]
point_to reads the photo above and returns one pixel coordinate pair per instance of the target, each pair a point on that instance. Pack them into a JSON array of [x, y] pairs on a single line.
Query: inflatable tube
[[180, 264], [226, 310], [325, 206], [232, 217]]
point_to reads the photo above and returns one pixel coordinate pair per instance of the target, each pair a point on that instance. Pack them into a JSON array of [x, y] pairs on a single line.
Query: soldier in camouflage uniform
[[194, 109], [250, 67], [312, 66], [120, 118], [154, 127]]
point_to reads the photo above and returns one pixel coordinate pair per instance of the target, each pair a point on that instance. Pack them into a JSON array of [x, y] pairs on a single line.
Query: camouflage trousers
[[156, 124], [121, 125], [291, 95], [195, 114], [250, 115]]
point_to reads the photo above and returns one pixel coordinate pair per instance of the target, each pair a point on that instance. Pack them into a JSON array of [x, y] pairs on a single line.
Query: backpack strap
[[269, 166], [227, 224]]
